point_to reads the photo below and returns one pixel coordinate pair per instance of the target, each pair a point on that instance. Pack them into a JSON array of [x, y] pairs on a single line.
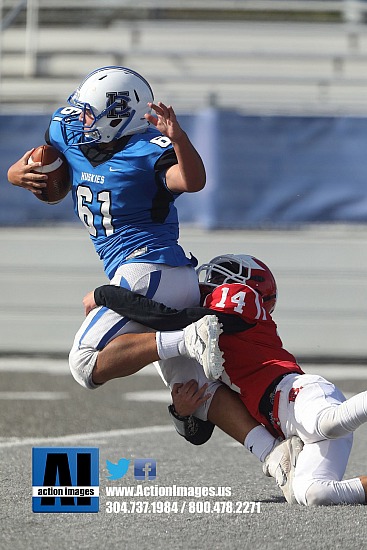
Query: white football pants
[[175, 287], [305, 400]]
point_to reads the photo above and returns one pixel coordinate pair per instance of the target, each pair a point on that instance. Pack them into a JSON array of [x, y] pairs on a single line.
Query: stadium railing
[[280, 67]]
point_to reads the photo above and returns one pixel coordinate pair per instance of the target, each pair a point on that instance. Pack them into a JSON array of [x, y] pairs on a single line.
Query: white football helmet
[[243, 269], [116, 98]]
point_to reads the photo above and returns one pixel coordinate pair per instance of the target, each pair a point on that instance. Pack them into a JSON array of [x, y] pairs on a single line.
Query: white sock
[[259, 442], [170, 344]]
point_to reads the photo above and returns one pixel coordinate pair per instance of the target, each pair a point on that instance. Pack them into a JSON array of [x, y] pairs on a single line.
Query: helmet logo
[[118, 104]]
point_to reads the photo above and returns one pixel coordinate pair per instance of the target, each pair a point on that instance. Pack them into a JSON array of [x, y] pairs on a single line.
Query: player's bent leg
[[99, 329], [124, 355], [237, 421], [331, 493], [102, 326], [337, 421], [320, 468], [81, 364], [280, 457]]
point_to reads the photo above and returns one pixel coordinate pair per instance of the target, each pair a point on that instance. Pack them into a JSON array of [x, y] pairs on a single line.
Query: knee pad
[[81, 364], [193, 429], [320, 494], [329, 423], [315, 494], [346, 417], [300, 489]]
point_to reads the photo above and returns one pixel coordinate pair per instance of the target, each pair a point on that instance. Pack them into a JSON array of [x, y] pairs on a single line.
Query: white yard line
[[50, 366], [60, 366], [76, 438], [33, 395], [158, 396]]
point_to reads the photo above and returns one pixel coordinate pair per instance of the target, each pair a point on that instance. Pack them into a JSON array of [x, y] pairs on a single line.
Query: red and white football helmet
[[244, 269]]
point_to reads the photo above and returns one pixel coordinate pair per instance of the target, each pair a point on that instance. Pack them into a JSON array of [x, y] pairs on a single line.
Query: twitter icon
[[117, 471]]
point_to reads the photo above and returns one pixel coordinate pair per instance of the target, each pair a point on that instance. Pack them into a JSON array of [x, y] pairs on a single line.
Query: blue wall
[[262, 171]]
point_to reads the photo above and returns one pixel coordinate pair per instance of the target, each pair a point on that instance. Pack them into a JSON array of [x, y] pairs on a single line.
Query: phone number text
[[175, 507]]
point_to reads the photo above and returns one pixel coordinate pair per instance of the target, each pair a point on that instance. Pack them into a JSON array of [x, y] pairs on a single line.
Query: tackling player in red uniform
[[271, 384]]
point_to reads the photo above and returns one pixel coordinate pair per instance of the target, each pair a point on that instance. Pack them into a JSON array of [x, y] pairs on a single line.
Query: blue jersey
[[123, 201]]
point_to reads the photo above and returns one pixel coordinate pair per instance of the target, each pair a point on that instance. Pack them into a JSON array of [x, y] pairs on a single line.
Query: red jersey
[[255, 357]]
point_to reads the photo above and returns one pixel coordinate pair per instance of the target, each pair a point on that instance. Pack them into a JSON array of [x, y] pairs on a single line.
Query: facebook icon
[[145, 468]]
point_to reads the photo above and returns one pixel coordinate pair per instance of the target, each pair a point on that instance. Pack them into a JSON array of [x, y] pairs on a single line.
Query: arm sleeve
[[157, 316], [166, 160]]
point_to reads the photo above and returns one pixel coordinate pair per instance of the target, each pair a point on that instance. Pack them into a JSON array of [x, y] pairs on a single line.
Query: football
[[55, 165]]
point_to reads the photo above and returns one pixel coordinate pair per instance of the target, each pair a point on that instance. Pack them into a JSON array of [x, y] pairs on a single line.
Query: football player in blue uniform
[[128, 167]]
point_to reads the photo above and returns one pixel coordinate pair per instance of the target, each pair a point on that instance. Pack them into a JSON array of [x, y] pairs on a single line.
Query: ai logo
[[65, 479]]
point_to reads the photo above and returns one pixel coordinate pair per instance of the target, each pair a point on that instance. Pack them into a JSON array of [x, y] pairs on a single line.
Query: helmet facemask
[[242, 269], [221, 270]]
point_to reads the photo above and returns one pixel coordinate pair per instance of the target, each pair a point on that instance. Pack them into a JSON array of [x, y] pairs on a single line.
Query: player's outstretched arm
[[154, 314], [143, 310], [21, 174], [189, 174]]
